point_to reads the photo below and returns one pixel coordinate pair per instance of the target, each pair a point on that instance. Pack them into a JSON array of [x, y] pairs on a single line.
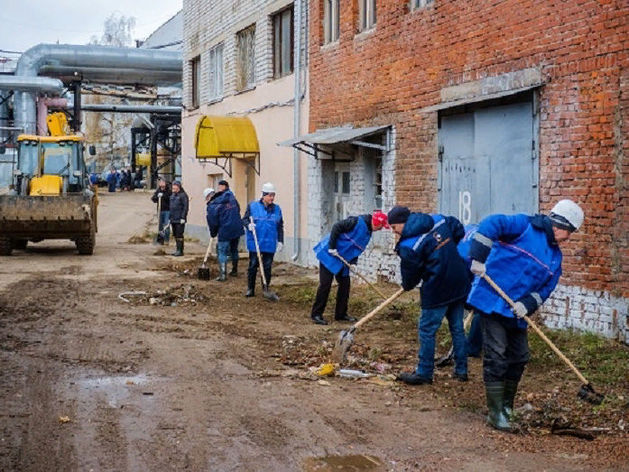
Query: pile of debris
[[181, 295]]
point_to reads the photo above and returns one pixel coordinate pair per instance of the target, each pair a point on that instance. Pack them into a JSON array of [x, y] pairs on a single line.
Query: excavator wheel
[[5, 246], [85, 244]]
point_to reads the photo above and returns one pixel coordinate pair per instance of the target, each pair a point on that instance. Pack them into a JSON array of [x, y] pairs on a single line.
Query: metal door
[[488, 162]]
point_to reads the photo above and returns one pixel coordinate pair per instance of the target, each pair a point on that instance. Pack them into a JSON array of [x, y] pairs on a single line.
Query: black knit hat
[[223, 182], [398, 214]]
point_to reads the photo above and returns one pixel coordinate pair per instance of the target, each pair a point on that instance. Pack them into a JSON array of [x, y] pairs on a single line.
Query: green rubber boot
[[511, 388], [495, 402]]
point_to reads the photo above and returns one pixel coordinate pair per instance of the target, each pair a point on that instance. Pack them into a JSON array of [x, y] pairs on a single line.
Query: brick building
[[476, 108], [242, 70]]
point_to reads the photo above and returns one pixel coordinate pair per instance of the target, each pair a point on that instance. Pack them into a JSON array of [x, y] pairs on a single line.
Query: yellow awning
[[226, 136]]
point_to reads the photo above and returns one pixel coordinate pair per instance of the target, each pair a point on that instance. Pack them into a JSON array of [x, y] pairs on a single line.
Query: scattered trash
[[325, 383], [147, 393], [122, 295], [64, 419], [353, 374], [174, 296], [325, 370]]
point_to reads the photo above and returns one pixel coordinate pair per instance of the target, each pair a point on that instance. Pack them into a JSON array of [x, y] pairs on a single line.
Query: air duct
[[31, 84], [92, 63]]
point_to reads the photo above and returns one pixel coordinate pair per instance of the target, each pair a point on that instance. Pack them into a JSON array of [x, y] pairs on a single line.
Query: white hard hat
[[567, 214], [268, 188], [208, 191]]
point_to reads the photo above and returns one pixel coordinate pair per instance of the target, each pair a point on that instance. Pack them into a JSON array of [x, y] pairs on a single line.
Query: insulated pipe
[[114, 107], [296, 130], [140, 63], [31, 84], [126, 75], [42, 112]]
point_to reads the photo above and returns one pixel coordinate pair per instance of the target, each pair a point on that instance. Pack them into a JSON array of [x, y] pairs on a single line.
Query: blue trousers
[[228, 249], [164, 226], [427, 327]]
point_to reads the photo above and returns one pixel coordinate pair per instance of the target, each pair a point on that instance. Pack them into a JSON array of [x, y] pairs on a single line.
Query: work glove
[[333, 252], [182, 221], [519, 310], [251, 227], [160, 195], [280, 247], [478, 268]]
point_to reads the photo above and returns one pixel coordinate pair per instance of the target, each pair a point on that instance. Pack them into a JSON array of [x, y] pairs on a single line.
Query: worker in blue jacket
[[348, 239], [223, 219], [521, 254], [269, 226], [428, 254]]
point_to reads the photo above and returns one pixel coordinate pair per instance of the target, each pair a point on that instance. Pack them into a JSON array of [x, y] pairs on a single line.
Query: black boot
[[179, 247], [511, 388], [234, 272], [495, 402], [413, 378], [251, 285], [222, 272]]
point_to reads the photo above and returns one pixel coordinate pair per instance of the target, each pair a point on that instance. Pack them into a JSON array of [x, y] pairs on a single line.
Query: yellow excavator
[[51, 196]]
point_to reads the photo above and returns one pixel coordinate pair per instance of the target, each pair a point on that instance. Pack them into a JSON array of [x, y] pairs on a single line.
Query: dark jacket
[[269, 226], [223, 216], [165, 206], [428, 253], [350, 237], [521, 256], [178, 206]]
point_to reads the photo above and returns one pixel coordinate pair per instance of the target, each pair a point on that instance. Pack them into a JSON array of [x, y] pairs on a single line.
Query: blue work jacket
[[428, 253], [269, 226], [223, 216], [350, 245], [521, 257]]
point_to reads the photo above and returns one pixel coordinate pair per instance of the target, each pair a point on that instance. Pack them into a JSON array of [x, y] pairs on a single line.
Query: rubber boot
[[511, 388], [179, 247], [222, 272], [234, 272], [495, 401], [251, 285]]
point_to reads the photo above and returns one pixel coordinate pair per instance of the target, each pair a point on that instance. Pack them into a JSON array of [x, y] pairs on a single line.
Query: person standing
[[348, 239], [223, 219], [522, 255], [112, 178], [178, 215], [161, 197], [269, 226], [428, 254]]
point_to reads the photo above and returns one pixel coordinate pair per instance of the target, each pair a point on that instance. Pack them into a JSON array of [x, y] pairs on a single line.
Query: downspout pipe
[[296, 131], [102, 58]]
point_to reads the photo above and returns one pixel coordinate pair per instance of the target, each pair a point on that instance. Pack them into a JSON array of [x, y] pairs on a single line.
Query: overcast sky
[[25, 23]]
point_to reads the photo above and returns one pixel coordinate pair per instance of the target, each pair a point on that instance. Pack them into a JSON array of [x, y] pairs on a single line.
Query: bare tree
[[117, 31]]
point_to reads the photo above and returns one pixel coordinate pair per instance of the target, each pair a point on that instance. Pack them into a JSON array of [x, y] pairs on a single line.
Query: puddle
[[343, 463], [114, 389]]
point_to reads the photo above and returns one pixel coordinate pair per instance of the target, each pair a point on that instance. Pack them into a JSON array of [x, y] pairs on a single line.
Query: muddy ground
[[182, 374]]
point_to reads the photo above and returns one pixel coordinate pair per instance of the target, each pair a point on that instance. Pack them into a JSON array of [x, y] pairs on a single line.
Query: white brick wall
[[588, 310]]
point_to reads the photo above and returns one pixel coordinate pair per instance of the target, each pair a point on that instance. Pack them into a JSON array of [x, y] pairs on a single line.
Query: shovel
[[586, 392], [362, 277], [266, 293], [346, 338], [204, 271], [159, 237]]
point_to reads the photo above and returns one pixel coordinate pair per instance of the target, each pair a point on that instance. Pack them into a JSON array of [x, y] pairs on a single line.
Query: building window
[[215, 58], [416, 4], [245, 54], [367, 14], [283, 43], [195, 73], [331, 29]]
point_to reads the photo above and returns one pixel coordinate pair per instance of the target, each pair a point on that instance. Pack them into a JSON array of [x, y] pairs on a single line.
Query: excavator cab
[[50, 165]]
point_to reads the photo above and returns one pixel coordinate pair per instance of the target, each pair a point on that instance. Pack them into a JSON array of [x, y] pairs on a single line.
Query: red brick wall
[[386, 76]]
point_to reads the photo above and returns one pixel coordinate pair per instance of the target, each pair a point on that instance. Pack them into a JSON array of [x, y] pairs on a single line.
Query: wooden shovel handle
[[539, 332], [377, 309], [207, 251], [361, 276]]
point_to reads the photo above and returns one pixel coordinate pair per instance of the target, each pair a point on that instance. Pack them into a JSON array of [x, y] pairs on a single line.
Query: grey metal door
[[488, 162]]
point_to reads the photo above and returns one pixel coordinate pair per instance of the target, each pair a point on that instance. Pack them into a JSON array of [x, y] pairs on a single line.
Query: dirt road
[[193, 376]]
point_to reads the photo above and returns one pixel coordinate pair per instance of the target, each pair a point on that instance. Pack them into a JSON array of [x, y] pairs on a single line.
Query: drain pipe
[[296, 131]]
